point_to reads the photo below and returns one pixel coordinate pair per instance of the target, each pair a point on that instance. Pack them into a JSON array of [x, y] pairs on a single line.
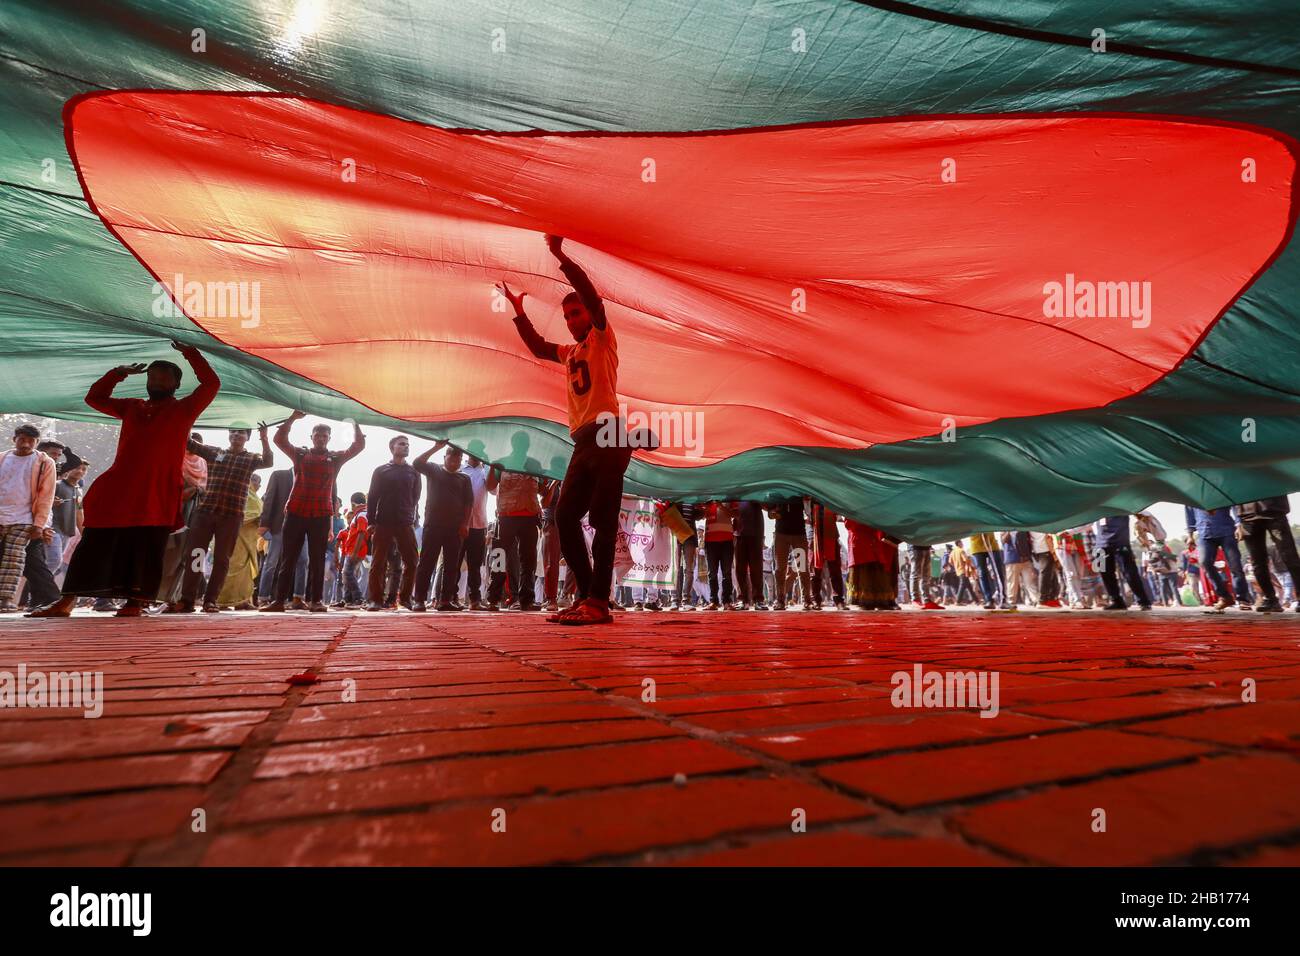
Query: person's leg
[[575, 501], [1255, 538], [293, 535], [430, 548], [1280, 531], [1233, 555], [475, 545], [988, 584], [920, 560], [551, 563], [503, 562], [380, 544], [270, 567], [225, 530], [606, 499], [406, 547], [727, 554], [318, 530], [450, 546], [1208, 548], [351, 581], [1109, 578], [713, 556], [525, 531], [40, 579], [13, 556], [1134, 576], [780, 568]]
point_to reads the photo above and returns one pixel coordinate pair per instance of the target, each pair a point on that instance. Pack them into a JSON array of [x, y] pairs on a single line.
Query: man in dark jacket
[[447, 508], [390, 511], [1257, 522], [271, 527]]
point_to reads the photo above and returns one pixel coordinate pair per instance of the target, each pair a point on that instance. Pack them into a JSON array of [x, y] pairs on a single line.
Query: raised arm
[[100, 397], [268, 457], [544, 350], [494, 477], [421, 463], [358, 443], [282, 436], [207, 452], [209, 382], [578, 279]]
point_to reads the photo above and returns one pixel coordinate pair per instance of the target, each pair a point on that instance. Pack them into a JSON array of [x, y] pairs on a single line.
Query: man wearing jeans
[[1208, 530], [310, 511], [1114, 546], [271, 527]]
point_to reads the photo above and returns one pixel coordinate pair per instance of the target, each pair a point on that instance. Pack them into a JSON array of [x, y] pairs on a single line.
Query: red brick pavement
[[425, 731]]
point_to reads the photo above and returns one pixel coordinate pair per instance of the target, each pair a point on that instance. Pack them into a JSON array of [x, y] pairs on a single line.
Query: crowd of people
[[176, 525]]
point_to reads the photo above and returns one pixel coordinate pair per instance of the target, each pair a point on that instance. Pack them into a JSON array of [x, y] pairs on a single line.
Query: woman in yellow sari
[[237, 591]]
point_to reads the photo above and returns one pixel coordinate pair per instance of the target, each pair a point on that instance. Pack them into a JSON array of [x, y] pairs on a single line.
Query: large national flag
[[944, 267]]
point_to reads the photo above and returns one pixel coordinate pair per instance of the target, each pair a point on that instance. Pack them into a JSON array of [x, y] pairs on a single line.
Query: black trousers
[[204, 527], [719, 555], [1256, 533], [593, 486], [517, 539], [749, 567], [439, 541], [1122, 554], [316, 532], [41, 589], [836, 573], [471, 553]]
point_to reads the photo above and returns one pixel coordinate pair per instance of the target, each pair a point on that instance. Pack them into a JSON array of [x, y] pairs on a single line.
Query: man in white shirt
[[26, 497], [475, 545], [1049, 584]]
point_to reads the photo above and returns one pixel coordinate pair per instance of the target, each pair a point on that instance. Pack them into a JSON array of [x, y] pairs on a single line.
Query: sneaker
[[711, 606], [275, 607], [448, 607], [1116, 606], [990, 606], [316, 607], [760, 606], [638, 606], [476, 605], [1268, 607]]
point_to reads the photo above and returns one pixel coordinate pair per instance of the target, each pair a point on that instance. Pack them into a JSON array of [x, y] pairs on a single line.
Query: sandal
[[588, 612]]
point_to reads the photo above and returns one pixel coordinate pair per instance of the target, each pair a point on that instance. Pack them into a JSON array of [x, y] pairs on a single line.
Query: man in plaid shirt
[[219, 514], [310, 511]]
